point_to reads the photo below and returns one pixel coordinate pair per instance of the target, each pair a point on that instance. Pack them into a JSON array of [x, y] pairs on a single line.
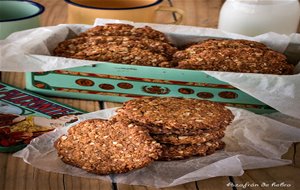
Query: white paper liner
[[22, 52], [252, 141]]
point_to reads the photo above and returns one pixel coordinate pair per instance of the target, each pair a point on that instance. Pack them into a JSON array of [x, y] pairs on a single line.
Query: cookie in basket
[[125, 30], [233, 56], [73, 47], [105, 147], [120, 43]]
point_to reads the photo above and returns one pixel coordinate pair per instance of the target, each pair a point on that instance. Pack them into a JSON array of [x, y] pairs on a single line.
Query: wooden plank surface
[[187, 186], [283, 177], [200, 12], [13, 78], [214, 183], [15, 174]]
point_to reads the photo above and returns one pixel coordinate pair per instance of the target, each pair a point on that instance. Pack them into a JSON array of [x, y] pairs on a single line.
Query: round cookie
[[105, 147], [118, 49], [177, 152], [175, 115], [189, 139], [125, 30], [233, 56], [73, 47]]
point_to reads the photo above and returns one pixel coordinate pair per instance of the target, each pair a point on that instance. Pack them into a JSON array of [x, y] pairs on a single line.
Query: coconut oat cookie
[[119, 54], [118, 49], [189, 139], [233, 56], [120, 43], [179, 116], [71, 47], [105, 147], [176, 152], [125, 30]]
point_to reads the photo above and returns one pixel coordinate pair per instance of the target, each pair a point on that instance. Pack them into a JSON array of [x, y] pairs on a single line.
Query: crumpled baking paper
[[252, 141], [29, 51]]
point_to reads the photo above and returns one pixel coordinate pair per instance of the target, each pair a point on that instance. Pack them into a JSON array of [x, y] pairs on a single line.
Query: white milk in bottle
[[254, 17]]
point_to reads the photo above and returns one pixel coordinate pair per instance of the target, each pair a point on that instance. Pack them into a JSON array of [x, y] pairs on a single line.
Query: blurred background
[[204, 13]]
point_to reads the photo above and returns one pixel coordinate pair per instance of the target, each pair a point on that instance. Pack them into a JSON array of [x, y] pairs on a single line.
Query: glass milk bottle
[[254, 17]]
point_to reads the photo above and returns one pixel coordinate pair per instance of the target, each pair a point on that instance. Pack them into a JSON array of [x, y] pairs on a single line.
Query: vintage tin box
[[118, 83]]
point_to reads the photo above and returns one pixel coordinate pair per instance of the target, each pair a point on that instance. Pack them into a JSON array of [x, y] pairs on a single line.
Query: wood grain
[[275, 175], [187, 186], [15, 174], [56, 12], [272, 177], [201, 13], [214, 183], [13, 78], [293, 154], [112, 104], [204, 13], [72, 183], [84, 105]]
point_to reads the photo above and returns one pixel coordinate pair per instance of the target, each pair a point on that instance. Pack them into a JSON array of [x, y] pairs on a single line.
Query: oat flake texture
[[105, 147]]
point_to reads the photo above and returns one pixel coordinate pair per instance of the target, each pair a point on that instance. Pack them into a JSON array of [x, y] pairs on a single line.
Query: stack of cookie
[[120, 43], [145, 130], [184, 127]]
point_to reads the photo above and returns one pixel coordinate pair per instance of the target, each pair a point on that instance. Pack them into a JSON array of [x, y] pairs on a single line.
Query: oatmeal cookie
[[105, 147], [159, 130], [118, 49], [72, 47], [179, 116], [125, 30], [233, 56], [176, 152], [125, 55], [189, 139]]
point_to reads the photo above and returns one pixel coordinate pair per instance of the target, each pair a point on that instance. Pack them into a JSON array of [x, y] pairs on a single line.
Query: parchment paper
[[29, 51], [252, 141]]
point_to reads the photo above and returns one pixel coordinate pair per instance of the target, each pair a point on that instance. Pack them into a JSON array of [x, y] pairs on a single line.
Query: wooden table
[[15, 174]]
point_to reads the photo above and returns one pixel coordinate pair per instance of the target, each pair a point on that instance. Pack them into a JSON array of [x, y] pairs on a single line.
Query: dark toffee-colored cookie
[[74, 47], [105, 147], [125, 30], [175, 115], [120, 43], [189, 139], [233, 56], [119, 54], [176, 152]]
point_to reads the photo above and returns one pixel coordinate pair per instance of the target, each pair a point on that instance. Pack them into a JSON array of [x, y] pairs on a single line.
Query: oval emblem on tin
[[156, 89], [106, 86], [84, 82], [228, 95], [205, 95], [186, 91], [125, 85]]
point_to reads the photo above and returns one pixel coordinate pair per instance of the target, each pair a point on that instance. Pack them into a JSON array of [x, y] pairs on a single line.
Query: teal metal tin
[[118, 83], [12, 149]]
